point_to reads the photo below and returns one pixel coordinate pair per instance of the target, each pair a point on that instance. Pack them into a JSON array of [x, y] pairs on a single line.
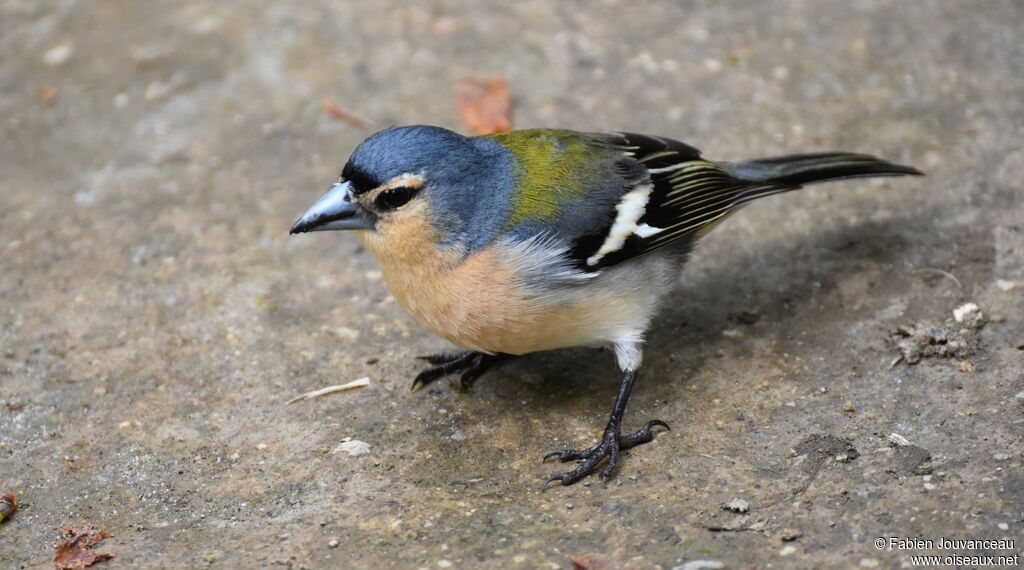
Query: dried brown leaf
[[8, 504], [588, 562], [332, 110], [75, 550], [46, 93], [484, 105], [14, 406], [593, 562]]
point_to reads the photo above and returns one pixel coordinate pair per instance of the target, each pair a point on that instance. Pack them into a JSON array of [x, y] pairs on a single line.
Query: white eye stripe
[[407, 179]]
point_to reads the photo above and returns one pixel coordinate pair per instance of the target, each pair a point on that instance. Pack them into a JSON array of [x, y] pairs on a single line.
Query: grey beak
[[334, 211]]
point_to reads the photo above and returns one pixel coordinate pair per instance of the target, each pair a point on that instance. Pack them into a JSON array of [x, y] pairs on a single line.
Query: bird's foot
[[609, 447], [471, 364]]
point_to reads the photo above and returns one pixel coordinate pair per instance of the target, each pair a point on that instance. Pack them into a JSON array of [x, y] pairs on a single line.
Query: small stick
[[940, 272], [355, 384]]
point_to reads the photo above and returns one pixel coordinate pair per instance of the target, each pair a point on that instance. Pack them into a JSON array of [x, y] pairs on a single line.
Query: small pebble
[[787, 550], [157, 90], [1001, 456], [346, 333], [737, 506], [898, 440], [1003, 526], [1004, 285], [712, 65], [57, 55], [333, 543], [700, 565], [790, 534], [354, 447], [963, 311]]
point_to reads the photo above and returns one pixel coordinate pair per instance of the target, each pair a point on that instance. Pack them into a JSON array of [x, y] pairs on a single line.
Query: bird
[[540, 239]]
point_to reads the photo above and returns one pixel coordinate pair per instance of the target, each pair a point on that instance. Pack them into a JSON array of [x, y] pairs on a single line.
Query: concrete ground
[[155, 316]]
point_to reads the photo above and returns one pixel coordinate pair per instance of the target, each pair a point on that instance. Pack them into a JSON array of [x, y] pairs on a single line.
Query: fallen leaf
[[588, 562], [46, 92], [592, 562], [484, 105], [75, 550], [8, 504], [14, 406], [333, 111]]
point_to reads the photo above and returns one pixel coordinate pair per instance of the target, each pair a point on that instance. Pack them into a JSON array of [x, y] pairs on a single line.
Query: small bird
[[539, 239]]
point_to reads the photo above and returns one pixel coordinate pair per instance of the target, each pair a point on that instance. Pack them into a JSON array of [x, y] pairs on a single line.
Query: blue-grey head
[[459, 184]]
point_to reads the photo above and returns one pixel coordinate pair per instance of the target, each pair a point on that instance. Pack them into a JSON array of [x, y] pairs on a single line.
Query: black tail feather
[[798, 169]]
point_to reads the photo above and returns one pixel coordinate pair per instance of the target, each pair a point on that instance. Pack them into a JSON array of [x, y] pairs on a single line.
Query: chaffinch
[[540, 239]]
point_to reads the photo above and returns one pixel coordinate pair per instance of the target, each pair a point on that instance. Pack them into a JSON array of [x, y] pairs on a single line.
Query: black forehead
[[361, 180]]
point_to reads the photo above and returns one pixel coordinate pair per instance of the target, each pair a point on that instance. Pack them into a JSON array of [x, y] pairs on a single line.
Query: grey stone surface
[[155, 315]]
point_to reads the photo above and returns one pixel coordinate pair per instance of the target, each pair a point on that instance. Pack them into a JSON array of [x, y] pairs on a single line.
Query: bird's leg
[[612, 441], [472, 365]]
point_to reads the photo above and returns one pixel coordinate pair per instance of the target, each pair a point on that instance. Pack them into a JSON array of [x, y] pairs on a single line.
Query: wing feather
[[670, 196], [686, 195]]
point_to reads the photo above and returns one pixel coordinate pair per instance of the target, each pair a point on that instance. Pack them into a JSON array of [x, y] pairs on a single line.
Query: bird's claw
[[441, 357], [471, 364], [642, 435], [608, 448], [569, 454]]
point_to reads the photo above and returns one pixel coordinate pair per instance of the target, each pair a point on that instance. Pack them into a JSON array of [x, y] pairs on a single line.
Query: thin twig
[[939, 272], [361, 383]]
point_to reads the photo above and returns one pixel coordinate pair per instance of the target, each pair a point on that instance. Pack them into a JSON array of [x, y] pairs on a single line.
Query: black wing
[[685, 195]]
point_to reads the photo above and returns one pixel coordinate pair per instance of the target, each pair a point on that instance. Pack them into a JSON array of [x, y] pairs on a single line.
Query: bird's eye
[[394, 198]]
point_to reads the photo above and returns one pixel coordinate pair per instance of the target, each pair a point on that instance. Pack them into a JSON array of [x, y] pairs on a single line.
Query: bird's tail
[[795, 170]]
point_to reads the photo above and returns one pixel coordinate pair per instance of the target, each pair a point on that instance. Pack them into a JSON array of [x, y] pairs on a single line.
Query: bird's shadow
[[689, 325]]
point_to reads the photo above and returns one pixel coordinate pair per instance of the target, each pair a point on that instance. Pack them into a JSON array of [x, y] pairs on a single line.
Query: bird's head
[[421, 176]]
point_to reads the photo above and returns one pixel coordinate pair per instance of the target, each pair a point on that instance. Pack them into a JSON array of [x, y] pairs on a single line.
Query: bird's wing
[[669, 194]]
